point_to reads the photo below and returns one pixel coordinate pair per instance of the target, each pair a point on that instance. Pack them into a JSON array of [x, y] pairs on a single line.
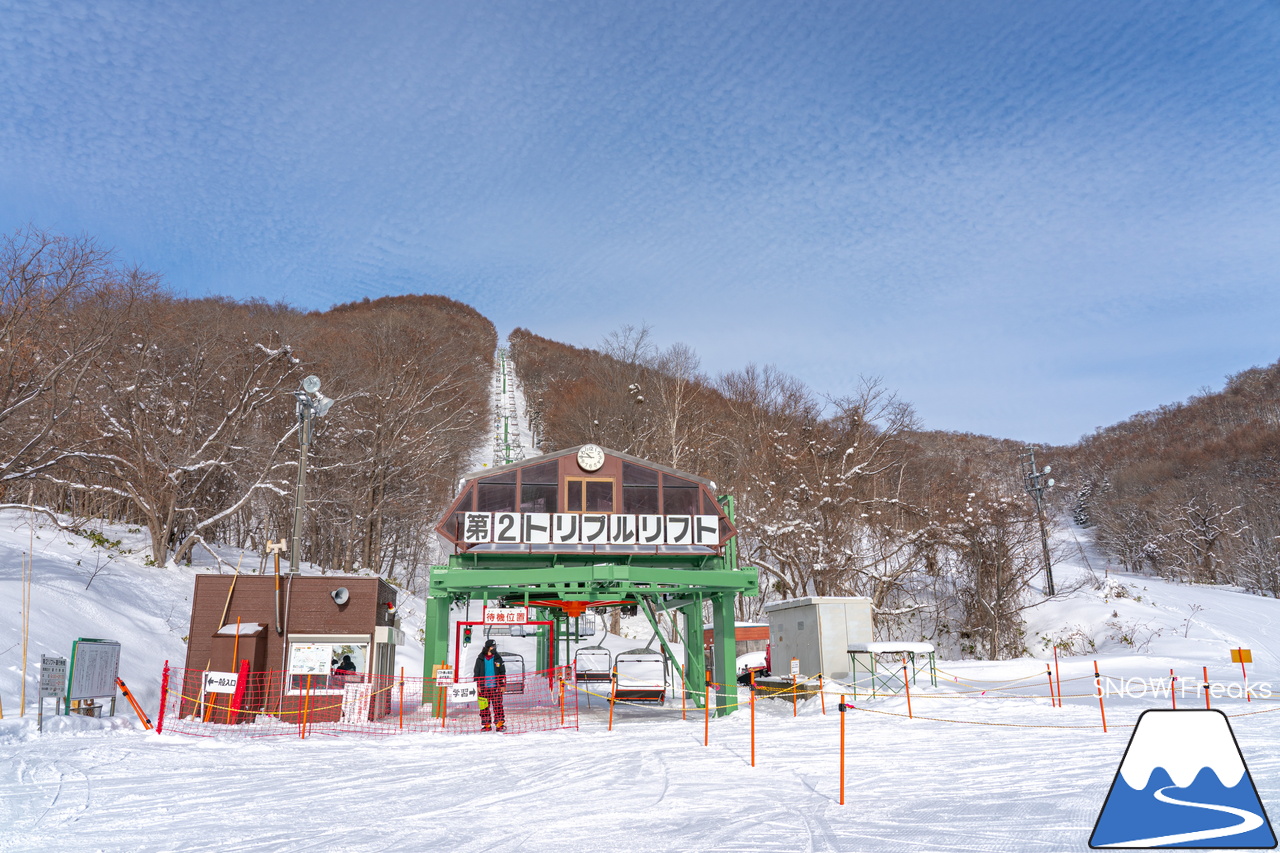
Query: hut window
[[639, 489], [497, 494], [538, 488], [317, 662]]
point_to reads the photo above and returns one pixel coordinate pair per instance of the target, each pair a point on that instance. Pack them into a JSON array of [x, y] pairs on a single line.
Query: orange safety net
[[264, 704]]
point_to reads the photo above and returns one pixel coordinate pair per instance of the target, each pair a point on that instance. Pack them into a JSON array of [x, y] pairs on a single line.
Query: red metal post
[[1206, 687]]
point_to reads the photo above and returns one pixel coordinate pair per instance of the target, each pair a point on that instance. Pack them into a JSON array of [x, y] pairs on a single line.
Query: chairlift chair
[[633, 683], [515, 674], [585, 664]]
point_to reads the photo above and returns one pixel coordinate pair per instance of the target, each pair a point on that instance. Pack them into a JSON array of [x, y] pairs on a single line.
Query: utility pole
[[1035, 484]]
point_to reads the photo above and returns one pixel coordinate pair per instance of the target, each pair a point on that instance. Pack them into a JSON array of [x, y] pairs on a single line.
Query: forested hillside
[[834, 497], [1191, 491], [121, 401]]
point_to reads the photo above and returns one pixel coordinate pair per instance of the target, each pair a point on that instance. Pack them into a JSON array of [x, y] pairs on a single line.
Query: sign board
[[795, 666], [220, 682], [444, 675], [53, 677], [95, 665], [572, 528], [310, 659], [1242, 655], [506, 615], [462, 693]]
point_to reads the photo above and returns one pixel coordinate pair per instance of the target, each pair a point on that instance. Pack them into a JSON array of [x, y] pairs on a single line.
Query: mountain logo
[[1183, 783]]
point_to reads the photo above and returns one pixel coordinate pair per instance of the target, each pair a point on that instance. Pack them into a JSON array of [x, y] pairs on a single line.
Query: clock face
[[590, 457]]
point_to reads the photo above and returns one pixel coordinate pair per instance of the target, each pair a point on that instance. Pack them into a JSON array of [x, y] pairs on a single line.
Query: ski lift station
[[588, 527]]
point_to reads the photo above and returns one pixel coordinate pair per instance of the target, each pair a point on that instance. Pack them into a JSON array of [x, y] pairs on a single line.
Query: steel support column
[[725, 664]]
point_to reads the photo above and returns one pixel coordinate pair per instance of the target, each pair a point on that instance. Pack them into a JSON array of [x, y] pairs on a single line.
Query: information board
[[95, 665], [444, 675], [53, 676]]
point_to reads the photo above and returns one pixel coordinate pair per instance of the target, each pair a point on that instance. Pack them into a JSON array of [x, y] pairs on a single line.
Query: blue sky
[[1029, 219]]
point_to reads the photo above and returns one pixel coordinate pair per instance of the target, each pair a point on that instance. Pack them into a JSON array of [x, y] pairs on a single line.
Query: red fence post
[[907, 684], [1097, 680], [1173, 688], [1057, 674], [1206, 687], [164, 696]]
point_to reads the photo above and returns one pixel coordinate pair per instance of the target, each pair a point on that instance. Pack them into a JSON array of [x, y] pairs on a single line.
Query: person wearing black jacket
[[491, 679]]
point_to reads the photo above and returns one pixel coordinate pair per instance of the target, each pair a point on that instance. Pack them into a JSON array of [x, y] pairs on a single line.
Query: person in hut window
[[491, 679], [345, 671]]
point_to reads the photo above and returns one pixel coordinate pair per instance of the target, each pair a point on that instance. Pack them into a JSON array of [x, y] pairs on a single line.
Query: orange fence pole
[[306, 706], [822, 695], [1206, 687], [1057, 675], [1097, 681], [613, 693], [1173, 688], [402, 697], [753, 724], [562, 701], [1053, 700], [794, 691], [706, 703], [907, 684], [843, 708], [684, 693]]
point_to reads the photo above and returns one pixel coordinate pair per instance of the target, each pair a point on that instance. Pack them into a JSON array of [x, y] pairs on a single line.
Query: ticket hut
[[292, 632]]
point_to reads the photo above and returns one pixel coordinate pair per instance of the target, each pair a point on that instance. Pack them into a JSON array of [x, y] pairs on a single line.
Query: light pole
[[310, 405], [1035, 483]]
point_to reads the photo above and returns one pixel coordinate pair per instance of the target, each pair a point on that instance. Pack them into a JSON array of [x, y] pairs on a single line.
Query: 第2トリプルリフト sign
[[571, 528]]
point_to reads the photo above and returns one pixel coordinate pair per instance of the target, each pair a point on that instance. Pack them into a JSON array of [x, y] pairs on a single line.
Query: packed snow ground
[[1016, 774]]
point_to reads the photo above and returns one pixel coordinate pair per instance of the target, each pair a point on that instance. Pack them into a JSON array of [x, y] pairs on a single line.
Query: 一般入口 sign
[[571, 528]]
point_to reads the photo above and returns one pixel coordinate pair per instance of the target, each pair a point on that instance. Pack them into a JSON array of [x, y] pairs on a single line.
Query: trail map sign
[[310, 659], [95, 664]]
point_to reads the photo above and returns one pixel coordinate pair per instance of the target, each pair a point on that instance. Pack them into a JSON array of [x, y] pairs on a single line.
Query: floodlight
[[311, 384]]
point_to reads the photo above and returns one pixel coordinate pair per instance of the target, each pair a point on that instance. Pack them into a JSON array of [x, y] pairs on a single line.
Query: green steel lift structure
[[672, 549]]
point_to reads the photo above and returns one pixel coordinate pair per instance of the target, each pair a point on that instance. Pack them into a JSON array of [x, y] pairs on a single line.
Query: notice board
[[95, 664]]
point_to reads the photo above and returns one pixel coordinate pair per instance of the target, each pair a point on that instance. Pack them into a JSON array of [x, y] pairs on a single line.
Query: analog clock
[[590, 457]]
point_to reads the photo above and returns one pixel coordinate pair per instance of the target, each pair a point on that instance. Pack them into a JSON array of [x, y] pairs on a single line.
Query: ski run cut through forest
[[984, 762]]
